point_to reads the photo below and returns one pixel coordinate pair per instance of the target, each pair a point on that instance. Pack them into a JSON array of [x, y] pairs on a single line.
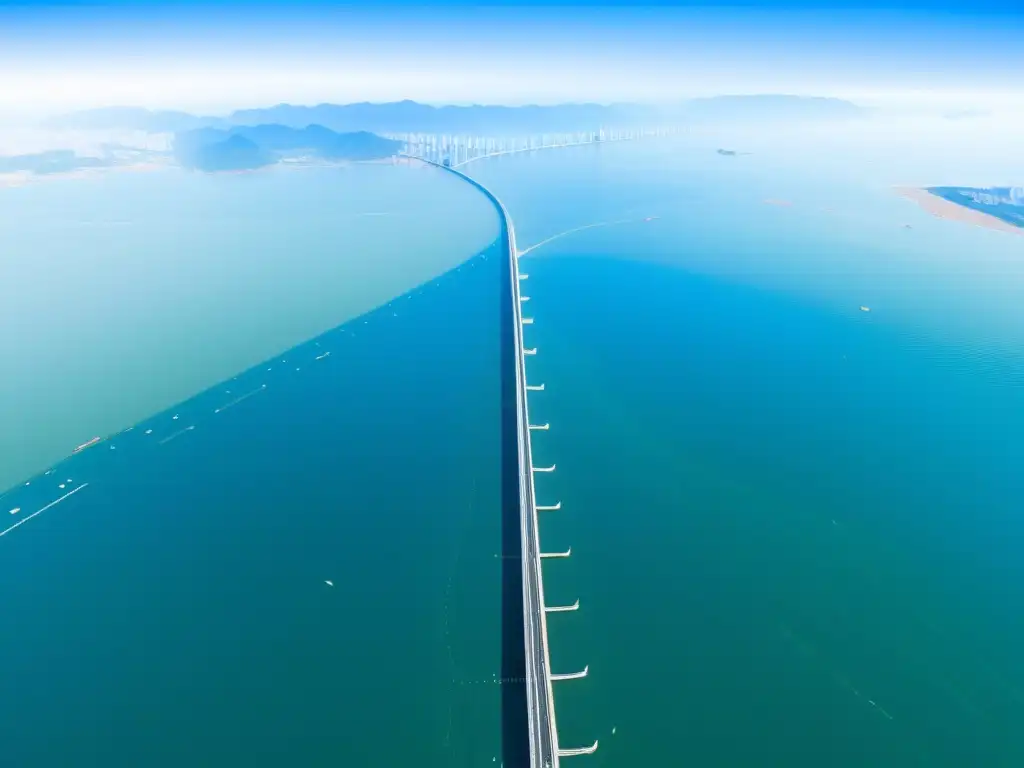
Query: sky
[[225, 55]]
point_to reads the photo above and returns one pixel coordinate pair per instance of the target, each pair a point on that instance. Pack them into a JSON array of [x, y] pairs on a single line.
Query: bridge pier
[[572, 675], [562, 608], [546, 555], [578, 751]]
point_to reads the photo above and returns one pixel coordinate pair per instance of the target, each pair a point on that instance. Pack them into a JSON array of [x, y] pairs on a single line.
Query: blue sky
[[224, 55]]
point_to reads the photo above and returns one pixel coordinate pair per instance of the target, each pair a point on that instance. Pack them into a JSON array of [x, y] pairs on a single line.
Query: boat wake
[[574, 230]]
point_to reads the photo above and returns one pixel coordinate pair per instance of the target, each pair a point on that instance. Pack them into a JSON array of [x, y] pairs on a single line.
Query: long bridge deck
[[544, 749]]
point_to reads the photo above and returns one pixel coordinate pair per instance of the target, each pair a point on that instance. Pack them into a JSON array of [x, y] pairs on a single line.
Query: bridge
[[457, 151], [545, 751]]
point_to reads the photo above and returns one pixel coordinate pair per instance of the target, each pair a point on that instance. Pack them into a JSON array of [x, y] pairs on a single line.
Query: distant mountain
[[247, 148], [769, 107], [54, 161], [208, 149], [488, 120], [394, 117], [412, 117]]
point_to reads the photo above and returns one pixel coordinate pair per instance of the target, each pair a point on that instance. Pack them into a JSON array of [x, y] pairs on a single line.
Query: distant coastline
[[238, 150], [945, 209], [249, 148], [15, 179], [11, 179]]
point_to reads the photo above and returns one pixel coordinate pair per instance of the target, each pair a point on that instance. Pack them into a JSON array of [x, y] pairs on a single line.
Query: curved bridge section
[[544, 749]]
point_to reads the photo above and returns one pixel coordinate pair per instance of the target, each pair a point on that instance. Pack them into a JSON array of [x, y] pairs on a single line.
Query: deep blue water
[[174, 610]]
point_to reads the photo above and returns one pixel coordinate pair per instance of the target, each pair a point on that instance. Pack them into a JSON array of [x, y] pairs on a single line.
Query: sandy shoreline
[[944, 209]]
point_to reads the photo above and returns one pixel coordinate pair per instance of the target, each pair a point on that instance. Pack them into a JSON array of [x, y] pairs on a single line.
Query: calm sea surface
[[795, 525], [124, 294], [172, 607]]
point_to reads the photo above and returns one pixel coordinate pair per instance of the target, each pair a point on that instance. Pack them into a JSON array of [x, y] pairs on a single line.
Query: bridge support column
[[562, 608], [578, 751], [572, 675], [546, 555]]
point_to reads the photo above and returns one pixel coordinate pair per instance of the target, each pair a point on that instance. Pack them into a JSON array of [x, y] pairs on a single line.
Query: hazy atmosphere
[[532, 385], [219, 57]]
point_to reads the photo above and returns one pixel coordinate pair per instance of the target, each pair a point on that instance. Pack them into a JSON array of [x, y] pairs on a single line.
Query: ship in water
[[89, 444]]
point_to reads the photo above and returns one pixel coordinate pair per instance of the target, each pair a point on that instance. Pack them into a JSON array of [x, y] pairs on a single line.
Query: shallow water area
[[124, 293]]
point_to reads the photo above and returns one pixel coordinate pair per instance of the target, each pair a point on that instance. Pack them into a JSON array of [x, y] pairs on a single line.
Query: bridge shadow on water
[[514, 716]]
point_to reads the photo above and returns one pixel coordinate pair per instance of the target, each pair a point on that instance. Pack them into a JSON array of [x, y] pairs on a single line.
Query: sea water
[[124, 293], [301, 563], [795, 525]]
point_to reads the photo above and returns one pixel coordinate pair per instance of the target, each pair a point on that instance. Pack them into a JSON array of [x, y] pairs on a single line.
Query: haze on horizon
[[218, 58]]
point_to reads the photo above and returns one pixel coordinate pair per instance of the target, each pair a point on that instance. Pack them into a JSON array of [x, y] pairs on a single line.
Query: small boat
[[83, 446], [328, 582], [865, 309], [16, 510]]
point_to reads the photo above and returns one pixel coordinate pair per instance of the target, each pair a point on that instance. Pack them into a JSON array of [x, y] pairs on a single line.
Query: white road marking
[[179, 433], [239, 399], [48, 506]]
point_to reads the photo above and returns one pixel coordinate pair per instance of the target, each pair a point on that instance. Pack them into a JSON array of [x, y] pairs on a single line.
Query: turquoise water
[[794, 524], [124, 294]]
